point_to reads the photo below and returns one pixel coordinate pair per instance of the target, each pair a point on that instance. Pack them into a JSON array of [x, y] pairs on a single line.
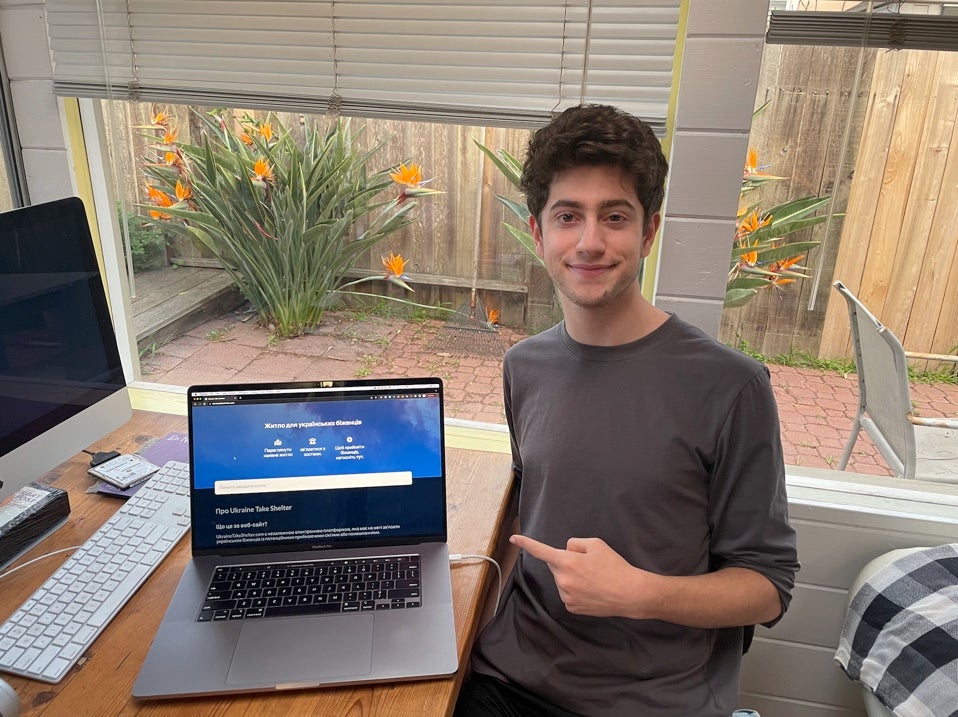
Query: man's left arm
[[748, 502]]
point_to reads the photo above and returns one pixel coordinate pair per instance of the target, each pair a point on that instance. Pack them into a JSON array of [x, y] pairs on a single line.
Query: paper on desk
[[171, 447]]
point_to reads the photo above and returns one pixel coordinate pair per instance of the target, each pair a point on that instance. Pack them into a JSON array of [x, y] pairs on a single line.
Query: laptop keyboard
[[313, 587]]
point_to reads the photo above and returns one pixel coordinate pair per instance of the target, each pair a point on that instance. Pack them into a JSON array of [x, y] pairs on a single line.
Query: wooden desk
[[101, 682]]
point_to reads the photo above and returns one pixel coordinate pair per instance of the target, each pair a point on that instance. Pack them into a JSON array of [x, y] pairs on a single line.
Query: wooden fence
[[899, 250], [895, 246]]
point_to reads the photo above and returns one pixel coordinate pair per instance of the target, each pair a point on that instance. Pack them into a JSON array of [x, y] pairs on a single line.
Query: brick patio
[[816, 408]]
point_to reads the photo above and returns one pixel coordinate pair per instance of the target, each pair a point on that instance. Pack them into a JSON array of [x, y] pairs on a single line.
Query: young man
[[652, 504]]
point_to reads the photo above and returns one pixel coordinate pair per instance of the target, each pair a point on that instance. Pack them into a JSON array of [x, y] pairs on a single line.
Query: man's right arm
[[729, 597]]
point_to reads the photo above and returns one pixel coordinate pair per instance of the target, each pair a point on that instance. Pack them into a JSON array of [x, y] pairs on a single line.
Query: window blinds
[[852, 29], [498, 62]]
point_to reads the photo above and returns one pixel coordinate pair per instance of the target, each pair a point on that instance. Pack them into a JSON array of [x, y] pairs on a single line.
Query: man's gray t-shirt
[[667, 448]]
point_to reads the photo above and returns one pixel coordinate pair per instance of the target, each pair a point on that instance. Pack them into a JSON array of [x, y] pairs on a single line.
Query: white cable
[[456, 557], [29, 562]]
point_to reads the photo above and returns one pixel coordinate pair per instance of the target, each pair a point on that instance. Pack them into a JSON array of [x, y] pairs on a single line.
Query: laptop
[[293, 487]]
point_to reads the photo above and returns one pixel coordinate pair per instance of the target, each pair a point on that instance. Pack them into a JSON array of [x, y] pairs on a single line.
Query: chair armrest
[[933, 422], [949, 358]]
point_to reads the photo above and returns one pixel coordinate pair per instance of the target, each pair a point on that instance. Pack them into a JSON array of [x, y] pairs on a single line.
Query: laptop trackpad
[[302, 650]]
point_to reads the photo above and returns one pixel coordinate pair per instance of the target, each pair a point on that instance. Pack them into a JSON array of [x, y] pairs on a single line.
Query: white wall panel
[[728, 17], [840, 551], [815, 616], [25, 49], [710, 165], [704, 313], [48, 174], [797, 672], [695, 257], [719, 83], [38, 114]]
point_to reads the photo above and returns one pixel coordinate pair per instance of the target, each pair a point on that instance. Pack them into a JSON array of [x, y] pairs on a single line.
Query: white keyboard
[[46, 636]]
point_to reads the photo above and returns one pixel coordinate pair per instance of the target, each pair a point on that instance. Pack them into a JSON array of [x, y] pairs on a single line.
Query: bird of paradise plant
[[287, 220], [761, 259]]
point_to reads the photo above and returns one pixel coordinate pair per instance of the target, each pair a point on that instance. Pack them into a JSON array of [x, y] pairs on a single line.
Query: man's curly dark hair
[[595, 135]]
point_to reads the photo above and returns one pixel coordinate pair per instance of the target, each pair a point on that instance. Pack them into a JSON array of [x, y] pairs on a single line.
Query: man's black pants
[[485, 696]]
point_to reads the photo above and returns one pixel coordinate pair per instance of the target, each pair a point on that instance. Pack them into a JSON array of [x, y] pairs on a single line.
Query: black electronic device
[[62, 386]]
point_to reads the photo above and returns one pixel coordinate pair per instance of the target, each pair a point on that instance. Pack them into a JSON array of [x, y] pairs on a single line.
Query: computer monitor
[[61, 381]]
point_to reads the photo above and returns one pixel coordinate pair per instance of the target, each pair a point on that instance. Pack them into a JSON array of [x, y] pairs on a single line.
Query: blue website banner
[[277, 440]]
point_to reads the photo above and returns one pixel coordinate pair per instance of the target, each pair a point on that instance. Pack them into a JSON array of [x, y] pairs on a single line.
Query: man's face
[[592, 235]]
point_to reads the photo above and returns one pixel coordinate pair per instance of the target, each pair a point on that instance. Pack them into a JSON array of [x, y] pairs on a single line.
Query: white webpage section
[[240, 486]]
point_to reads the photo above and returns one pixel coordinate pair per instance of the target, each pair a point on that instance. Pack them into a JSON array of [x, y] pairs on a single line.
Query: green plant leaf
[[738, 297], [768, 251], [525, 239], [797, 208], [786, 251], [510, 167], [519, 209], [746, 283], [779, 229]]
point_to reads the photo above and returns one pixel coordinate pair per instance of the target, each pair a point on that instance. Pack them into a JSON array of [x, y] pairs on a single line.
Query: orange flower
[[182, 193], [155, 194], [266, 131], [246, 139], [410, 179], [410, 176], [749, 258], [751, 163], [779, 281], [394, 264], [172, 159], [160, 199], [169, 137], [751, 222], [160, 118], [785, 264], [752, 169], [262, 171]]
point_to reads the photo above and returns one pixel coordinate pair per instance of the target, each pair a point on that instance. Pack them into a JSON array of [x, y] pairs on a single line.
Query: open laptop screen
[[316, 465]]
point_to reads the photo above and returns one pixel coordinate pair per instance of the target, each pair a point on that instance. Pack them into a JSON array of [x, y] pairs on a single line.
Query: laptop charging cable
[[458, 557]]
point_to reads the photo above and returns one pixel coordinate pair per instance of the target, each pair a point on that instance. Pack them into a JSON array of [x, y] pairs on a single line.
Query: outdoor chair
[[914, 447]]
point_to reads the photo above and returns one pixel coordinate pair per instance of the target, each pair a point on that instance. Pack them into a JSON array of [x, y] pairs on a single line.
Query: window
[[432, 79], [873, 129]]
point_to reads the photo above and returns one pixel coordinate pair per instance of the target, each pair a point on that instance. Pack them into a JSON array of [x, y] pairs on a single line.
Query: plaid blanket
[[900, 637]]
